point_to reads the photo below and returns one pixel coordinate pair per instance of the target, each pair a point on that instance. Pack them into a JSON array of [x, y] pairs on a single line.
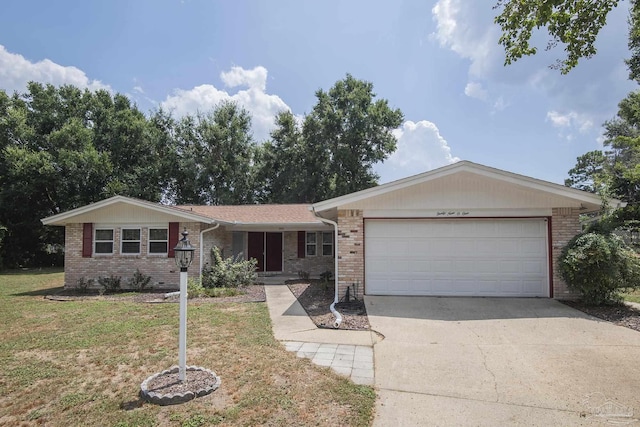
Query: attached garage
[[461, 230], [459, 257]]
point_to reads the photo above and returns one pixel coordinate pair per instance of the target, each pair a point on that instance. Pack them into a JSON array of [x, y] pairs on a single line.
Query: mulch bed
[[622, 315], [316, 297], [252, 293]]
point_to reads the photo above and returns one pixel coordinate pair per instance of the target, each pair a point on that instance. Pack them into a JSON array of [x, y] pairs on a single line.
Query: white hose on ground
[[336, 324], [171, 294]]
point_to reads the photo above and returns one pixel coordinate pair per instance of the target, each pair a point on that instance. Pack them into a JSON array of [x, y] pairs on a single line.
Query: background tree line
[[64, 147], [597, 262]]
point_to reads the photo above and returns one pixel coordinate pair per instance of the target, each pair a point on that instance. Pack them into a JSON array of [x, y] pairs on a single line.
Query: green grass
[[632, 295], [81, 363]]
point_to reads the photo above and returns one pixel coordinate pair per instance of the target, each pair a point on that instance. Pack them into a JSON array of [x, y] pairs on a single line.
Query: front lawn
[[81, 363], [632, 295]]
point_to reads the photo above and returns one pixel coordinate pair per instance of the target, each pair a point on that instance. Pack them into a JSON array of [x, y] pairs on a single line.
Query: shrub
[[195, 288], [83, 285], [139, 282], [228, 273], [304, 275], [326, 278], [599, 266], [110, 284]]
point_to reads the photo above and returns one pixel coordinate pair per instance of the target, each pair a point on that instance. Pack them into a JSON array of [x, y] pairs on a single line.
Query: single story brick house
[[461, 230]]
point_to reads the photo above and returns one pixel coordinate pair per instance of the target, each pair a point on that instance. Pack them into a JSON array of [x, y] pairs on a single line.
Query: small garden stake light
[[183, 257]]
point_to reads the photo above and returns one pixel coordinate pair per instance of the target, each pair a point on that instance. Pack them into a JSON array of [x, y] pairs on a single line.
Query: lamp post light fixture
[[183, 257]]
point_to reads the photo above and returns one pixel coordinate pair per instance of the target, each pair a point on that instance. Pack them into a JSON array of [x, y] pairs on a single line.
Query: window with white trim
[[130, 241], [311, 243], [327, 243], [103, 241], [158, 240]]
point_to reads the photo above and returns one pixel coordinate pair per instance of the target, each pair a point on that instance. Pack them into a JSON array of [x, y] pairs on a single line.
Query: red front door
[[274, 251], [255, 248], [267, 249]]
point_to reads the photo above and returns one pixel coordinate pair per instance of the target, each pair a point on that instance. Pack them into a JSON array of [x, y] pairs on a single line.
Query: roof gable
[[126, 210], [121, 209], [466, 185]]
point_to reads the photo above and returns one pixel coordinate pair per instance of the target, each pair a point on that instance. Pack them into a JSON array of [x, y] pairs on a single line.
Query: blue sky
[[438, 61]]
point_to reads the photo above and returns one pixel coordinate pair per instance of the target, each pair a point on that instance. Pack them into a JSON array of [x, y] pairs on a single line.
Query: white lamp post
[[183, 257]]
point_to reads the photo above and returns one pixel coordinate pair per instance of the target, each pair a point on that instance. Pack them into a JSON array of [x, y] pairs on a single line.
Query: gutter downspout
[[338, 321], [202, 245]]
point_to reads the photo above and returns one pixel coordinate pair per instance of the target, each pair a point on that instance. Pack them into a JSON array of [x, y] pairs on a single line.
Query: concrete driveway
[[499, 362]]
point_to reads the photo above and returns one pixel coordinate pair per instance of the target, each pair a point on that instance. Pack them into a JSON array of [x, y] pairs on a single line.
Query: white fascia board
[[61, 218], [462, 166]]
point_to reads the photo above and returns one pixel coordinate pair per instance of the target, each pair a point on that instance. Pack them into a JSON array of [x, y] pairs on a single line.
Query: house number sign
[[452, 213]]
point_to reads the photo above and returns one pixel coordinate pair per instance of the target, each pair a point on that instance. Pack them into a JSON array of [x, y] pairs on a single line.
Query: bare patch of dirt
[[622, 315], [316, 297], [251, 293]]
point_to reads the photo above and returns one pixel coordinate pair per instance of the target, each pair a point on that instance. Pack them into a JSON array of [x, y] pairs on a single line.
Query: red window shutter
[[302, 236], [174, 236], [87, 239]]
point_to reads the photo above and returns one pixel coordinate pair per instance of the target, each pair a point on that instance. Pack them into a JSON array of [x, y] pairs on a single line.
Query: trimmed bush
[[139, 282], [229, 273], [110, 284], [599, 266], [83, 285]]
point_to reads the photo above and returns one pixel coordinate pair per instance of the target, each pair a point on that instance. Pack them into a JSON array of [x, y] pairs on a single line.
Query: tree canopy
[[63, 147], [615, 172], [573, 23]]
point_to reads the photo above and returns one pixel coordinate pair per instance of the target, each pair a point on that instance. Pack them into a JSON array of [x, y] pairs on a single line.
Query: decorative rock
[[169, 379]]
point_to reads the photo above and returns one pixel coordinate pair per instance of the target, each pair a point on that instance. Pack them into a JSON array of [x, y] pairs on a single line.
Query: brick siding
[[163, 271], [350, 252], [314, 265], [565, 224]]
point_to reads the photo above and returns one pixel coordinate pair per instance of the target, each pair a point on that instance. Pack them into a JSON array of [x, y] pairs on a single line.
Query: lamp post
[[183, 257]]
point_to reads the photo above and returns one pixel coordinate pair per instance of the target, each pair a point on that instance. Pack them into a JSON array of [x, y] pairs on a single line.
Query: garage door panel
[[456, 257]]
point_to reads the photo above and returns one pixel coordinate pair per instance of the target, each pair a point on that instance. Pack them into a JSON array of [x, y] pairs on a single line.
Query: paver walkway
[[354, 361], [348, 353]]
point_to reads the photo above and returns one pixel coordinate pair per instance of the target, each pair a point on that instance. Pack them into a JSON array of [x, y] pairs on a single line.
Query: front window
[[327, 243], [158, 240], [130, 241], [311, 244], [103, 242]]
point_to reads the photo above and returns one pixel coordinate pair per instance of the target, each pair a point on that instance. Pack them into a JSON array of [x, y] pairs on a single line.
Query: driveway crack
[[493, 375]]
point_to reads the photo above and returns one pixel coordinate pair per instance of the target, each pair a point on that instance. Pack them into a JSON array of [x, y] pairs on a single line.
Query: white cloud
[[262, 106], [420, 148], [16, 71], [468, 29], [569, 123], [238, 76], [457, 30], [475, 90], [138, 89]]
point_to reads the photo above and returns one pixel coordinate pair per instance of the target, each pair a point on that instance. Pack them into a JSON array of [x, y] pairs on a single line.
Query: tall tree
[[61, 148], [279, 163], [589, 172], [346, 133], [215, 153], [573, 23], [616, 171]]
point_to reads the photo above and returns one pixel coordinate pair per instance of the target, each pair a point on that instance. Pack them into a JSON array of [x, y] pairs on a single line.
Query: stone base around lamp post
[[165, 388]]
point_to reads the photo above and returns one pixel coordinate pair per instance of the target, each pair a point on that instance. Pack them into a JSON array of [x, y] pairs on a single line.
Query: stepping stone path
[[353, 361]]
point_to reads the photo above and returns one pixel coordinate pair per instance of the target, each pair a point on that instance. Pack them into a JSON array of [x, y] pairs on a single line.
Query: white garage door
[[465, 257]]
